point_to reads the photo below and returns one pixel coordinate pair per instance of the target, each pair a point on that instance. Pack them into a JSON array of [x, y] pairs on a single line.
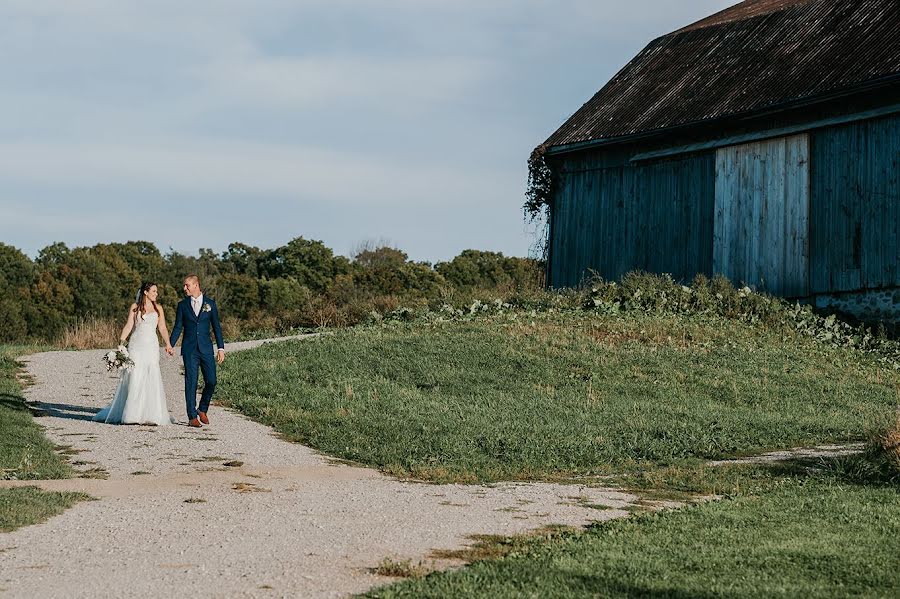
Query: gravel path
[[799, 453], [282, 521]]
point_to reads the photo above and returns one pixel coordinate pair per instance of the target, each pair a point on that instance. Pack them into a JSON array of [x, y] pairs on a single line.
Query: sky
[[197, 124]]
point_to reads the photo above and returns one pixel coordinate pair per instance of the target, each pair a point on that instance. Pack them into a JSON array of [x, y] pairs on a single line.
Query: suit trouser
[[206, 364]]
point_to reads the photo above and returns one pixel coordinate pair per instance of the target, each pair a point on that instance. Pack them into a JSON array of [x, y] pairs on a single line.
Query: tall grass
[[91, 333]]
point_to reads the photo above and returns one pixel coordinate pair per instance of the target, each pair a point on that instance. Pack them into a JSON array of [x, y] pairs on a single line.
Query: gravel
[[173, 520]]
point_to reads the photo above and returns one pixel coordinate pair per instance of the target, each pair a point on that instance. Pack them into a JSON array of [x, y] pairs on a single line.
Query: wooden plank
[[772, 213], [630, 217], [855, 207], [721, 241], [796, 229], [760, 215]]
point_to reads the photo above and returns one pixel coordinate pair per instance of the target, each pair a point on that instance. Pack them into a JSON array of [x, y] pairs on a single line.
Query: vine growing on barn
[[541, 184]]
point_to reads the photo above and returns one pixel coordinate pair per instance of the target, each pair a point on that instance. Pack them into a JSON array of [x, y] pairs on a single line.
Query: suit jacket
[[197, 328]]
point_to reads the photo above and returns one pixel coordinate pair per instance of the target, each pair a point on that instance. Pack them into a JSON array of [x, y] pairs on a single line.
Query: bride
[[140, 398]]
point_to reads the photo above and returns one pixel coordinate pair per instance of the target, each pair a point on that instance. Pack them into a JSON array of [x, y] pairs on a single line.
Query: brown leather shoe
[[194, 422], [203, 417]]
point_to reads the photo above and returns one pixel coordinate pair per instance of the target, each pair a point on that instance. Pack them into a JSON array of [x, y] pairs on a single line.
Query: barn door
[[761, 229]]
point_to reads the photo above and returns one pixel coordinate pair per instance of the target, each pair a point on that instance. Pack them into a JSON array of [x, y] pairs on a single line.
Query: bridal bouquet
[[118, 359]]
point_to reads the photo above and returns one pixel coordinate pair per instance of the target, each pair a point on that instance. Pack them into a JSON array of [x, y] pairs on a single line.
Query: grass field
[[24, 506], [645, 399], [812, 536], [25, 454], [552, 396]]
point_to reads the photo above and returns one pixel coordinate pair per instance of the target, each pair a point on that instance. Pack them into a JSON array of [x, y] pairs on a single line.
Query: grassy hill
[[640, 384]]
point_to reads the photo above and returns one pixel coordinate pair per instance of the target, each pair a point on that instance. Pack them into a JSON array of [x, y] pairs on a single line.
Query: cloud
[[240, 169], [299, 83], [356, 118]]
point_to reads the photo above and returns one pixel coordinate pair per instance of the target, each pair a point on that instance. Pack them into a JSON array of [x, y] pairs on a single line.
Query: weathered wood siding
[[613, 216], [761, 215], [855, 211], [796, 216]]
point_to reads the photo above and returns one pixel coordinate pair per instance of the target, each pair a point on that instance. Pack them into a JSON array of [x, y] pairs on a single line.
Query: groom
[[195, 314]]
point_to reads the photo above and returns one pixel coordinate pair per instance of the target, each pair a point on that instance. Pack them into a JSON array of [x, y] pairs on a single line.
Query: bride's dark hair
[[145, 287]]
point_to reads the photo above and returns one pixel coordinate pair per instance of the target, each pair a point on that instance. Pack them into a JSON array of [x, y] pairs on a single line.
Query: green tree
[[142, 257], [475, 269], [16, 269], [50, 306], [53, 255], [33, 302], [284, 295], [238, 295], [17, 272], [380, 257], [177, 267], [101, 282], [243, 259], [13, 326], [309, 262], [526, 273], [388, 271]]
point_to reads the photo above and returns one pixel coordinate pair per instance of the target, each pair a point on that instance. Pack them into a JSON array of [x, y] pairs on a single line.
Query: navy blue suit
[[197, 350]]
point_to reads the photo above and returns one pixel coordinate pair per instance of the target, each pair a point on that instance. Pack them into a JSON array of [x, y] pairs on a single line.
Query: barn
[[761, 143]]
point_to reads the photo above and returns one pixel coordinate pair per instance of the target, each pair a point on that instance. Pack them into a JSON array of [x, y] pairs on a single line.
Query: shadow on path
[[62, 410]]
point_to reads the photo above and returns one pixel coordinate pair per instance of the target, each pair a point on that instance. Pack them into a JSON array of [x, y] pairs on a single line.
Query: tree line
[[302, 283]]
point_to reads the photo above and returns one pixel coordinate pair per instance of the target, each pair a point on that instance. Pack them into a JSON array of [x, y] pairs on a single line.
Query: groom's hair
[[192, 277]]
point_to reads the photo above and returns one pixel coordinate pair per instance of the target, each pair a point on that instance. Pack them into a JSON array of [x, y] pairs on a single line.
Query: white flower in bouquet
[[118, 359]]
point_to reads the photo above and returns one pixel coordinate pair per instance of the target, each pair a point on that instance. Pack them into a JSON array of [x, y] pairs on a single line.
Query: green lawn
[[24, 506], [644, 398], [25, 454], [550, 395], [808, 537]]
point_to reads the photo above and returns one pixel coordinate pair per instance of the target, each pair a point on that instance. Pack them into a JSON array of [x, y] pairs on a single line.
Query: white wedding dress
[[140, 397]]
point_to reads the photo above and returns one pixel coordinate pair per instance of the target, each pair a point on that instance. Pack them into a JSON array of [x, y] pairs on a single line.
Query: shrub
[[474, 269]]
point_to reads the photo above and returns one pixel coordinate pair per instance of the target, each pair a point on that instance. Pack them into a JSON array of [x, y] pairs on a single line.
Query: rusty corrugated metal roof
[[754, 55], [743, 10]]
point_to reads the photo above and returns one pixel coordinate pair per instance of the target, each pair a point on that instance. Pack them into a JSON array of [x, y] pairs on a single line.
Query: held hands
[[170, 350]]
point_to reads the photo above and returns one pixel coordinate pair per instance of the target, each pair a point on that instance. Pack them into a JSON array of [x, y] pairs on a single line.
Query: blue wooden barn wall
[[855, 206], [613, 216], [761, 232]]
